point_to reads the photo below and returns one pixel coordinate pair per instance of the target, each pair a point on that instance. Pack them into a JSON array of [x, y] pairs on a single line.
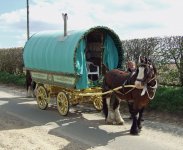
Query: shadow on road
[[77, 127]]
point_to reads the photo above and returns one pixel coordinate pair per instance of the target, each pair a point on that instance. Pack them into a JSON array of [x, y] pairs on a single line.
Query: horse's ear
[[141, 59], [149, 61]]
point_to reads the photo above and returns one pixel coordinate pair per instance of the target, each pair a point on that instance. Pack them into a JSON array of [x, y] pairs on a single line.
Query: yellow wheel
[[97, 102], [42, 96], [62, 103]]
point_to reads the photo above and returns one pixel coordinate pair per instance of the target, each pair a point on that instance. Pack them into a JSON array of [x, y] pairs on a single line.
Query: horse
[[139, 95]]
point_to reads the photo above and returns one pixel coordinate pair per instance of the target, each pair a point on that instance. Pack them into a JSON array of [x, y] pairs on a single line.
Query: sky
[[129, 19]]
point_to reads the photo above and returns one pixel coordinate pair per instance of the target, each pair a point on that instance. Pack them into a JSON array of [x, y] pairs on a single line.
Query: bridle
[[146, 67], [147, 82]]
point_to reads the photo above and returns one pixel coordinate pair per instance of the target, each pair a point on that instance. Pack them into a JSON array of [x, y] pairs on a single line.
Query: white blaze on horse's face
[[140, 77]]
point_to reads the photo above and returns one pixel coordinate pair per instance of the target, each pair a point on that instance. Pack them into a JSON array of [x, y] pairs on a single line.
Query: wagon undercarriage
[[65, 98]]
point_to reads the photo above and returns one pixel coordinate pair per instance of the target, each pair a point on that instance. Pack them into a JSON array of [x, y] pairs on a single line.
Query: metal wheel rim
[[62, 103], [97, 102], [42, 97]]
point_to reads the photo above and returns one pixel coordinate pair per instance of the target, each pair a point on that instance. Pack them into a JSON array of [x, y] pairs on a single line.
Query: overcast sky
[[128, 18]]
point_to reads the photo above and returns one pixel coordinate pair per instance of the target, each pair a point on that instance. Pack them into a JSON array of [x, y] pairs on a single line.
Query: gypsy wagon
[[71, 67]]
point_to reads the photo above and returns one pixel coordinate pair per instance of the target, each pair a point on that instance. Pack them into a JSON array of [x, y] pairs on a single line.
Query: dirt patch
[[164, 117], [157, 116]]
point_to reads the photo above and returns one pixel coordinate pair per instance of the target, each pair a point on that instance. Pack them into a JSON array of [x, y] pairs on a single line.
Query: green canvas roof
[[51, 52]]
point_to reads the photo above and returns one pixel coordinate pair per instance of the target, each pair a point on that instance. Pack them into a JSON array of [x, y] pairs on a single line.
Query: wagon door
[[94, 50], [110, 54]]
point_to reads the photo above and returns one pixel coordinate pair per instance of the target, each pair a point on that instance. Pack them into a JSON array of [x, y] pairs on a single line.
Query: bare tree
[[173, 52], [132, 49], [147, 47]]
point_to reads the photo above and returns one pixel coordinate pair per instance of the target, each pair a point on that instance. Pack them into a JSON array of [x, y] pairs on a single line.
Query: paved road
[[86, 126]]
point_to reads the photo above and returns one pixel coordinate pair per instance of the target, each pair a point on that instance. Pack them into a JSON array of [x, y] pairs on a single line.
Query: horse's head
[[146, 72]]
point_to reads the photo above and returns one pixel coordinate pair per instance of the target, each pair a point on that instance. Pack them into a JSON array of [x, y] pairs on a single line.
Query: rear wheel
[[42, 96], [62, 103]]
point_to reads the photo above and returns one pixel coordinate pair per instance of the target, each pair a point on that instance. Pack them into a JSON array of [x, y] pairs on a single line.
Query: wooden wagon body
[[66, 66]]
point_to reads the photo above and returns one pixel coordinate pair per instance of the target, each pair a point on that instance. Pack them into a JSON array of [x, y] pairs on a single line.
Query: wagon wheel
[[62, 103], [42, 96], [97, 102]]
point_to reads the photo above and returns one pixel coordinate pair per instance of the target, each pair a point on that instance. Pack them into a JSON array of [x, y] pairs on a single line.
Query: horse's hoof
[[134, 132], [120, 123], [130, 117], [109, 123], [140, 127]]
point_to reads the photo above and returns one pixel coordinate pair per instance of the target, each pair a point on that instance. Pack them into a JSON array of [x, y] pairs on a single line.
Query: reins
[[107, 92]]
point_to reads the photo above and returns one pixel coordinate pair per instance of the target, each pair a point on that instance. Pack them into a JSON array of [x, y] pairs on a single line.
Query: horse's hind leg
[[116, 106], [111, 115], [119, 119]]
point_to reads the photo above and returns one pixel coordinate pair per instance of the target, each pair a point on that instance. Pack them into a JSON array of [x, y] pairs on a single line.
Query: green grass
[[168, 99], [8, 78]]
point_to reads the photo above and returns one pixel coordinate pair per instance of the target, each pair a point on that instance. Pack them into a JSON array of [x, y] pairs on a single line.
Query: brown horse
[[145, 84]]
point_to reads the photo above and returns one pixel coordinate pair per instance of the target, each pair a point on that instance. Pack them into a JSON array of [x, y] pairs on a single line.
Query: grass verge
[[8, 78], [168, 99]]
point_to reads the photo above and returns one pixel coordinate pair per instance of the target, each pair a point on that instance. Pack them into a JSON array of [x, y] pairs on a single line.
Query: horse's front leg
[[134, 128], [140, 118]]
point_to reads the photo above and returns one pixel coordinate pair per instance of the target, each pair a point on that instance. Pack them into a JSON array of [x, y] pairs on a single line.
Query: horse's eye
[[146, 70]]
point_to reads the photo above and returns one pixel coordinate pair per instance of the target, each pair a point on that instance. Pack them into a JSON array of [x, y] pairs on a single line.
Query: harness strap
[[145, 90], [153, 79], [118, 92]]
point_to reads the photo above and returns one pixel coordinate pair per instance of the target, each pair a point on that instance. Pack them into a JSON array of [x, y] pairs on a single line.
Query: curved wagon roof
[[50, 51]]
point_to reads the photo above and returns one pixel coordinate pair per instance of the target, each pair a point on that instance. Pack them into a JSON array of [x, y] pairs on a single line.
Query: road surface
[[23, 126]]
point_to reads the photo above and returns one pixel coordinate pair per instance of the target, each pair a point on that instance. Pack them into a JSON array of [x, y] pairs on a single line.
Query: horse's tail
[[105, 68], [105, 108]]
